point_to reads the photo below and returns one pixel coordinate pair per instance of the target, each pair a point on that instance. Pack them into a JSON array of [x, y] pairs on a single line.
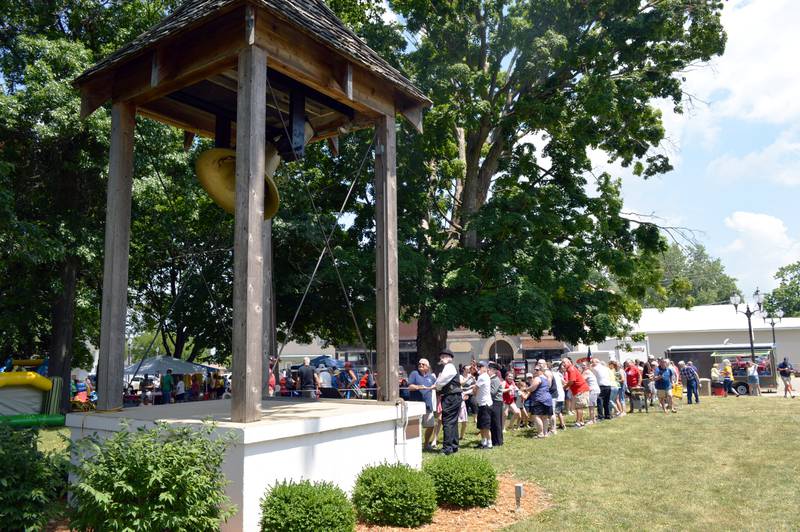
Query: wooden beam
[[248, 265], [180, 115], [414, 116], [387, 323], [94, 94], [269, 314], [207, 50], [306, 60], [115, 268], [333, 145]]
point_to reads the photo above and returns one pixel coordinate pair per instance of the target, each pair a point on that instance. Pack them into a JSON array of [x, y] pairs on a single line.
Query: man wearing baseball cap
[[448, 386]]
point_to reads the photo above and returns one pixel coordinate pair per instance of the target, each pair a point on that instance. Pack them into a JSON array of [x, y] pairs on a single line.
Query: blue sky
[[736, 150]]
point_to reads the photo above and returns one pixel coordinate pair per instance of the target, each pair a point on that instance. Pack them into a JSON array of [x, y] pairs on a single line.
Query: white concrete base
[[331, 440]]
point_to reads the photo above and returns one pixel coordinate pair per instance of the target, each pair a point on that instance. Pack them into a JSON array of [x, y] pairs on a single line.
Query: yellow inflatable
[[25, 378]]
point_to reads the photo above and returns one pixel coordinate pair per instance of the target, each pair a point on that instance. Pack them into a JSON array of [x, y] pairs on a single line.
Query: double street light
[[758, 307], [777, 314]]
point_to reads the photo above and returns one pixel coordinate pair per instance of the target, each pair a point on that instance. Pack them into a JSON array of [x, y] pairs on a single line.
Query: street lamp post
[[778, 314], [758, 302]]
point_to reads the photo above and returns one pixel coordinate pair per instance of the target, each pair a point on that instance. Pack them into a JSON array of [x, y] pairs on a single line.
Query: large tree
[[786, 296], [513, 229], [691, 277], [52, 172]]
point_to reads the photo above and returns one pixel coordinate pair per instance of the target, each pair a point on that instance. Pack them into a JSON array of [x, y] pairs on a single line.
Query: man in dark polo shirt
[[309, 380]]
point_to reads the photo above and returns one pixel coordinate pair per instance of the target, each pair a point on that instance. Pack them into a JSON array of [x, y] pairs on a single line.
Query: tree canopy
[[502, 222], [691, 277], [786, 296]]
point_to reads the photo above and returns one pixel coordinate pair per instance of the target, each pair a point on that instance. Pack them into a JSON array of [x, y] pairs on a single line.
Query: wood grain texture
[[270, 337], [387, 326], [115, 268], [248, 264]]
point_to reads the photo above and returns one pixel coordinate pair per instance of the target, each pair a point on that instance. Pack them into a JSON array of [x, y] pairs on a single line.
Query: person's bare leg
[[578, 415], [539, 426]]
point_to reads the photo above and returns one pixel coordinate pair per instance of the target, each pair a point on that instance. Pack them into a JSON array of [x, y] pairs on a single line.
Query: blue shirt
[[665, 382], [428, 379]]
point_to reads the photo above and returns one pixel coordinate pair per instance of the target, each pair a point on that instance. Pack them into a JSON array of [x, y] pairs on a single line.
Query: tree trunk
[[431, 338], [60, 362]]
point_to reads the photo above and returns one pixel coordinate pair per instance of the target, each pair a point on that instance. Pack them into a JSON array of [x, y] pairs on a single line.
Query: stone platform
[[329, 440]]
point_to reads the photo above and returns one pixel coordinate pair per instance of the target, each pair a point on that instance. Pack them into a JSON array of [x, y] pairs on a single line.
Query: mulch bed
[[501, 515]]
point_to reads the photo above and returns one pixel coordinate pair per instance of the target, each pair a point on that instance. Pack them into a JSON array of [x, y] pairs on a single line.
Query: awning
[[546, 344], [743, 354]]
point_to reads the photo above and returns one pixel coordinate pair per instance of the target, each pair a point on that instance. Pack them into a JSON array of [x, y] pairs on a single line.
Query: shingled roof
[[311, 16]]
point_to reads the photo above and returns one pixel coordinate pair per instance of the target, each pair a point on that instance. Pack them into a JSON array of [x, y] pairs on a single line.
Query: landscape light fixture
[[777, 314], [758, 307]]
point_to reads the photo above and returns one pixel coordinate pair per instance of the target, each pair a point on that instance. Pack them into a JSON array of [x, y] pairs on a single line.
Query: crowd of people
[[172, 388], [592, 390]]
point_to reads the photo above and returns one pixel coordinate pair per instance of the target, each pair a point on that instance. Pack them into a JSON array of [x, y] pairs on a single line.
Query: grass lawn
[[726, 463]]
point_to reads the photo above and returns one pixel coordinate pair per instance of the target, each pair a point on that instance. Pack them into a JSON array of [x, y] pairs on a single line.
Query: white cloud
[[778, 162], [761, 246], [755, 78]]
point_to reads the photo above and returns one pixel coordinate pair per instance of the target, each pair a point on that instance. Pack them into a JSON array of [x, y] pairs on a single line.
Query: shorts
[[484, 417], [462, 412], [558, 407], [513, 407], [593, 399], [582, 400], [752, 379], [542, 409], [528, 406], [663, 394], [428, 420], [787, 379]]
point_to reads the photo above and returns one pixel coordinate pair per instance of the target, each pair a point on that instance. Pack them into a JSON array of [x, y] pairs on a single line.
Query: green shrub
[[156, 479], [307, 507], [32, 483], [394, 495], [463, 480]]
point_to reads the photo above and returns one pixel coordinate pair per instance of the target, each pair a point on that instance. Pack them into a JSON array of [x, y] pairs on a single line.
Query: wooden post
[[248, 263], [387, 327], [270, 340], [115, 269]]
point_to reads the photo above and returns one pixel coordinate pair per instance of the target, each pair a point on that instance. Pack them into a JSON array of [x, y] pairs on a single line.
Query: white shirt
[[484, 396], [447, 374], [324, 379], [180, 387], [591, 380], [559, 386], [602, 374]]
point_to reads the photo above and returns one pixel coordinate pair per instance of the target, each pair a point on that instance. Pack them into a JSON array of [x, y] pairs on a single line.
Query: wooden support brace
[[248, 266], [115, 267], [387, 325]]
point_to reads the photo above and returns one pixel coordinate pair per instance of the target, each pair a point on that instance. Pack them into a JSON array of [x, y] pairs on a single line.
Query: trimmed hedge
[[306, 507], [394, 495], [31, 482], [463, 480]]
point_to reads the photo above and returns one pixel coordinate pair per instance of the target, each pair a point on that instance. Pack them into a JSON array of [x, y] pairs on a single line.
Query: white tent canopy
[[153, 365]]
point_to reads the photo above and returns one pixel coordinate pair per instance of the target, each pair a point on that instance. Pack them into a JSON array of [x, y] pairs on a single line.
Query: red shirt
[[633, 376], [578, 382]]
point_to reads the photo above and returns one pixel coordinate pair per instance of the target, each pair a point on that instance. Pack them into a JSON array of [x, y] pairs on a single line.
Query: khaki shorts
[[663, 394], [582, 400]]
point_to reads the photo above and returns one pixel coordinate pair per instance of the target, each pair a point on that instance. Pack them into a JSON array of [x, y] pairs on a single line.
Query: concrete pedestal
[[329, 440]]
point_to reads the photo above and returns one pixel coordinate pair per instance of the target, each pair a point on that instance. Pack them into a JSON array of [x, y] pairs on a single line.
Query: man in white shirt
[[448, 387], [483, 397], [603, 375]]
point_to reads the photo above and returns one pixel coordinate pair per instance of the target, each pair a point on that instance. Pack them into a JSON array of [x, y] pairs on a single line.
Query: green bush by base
[[307, 507], [463, 480], [395, 495], [157, 479], [31, 483]]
